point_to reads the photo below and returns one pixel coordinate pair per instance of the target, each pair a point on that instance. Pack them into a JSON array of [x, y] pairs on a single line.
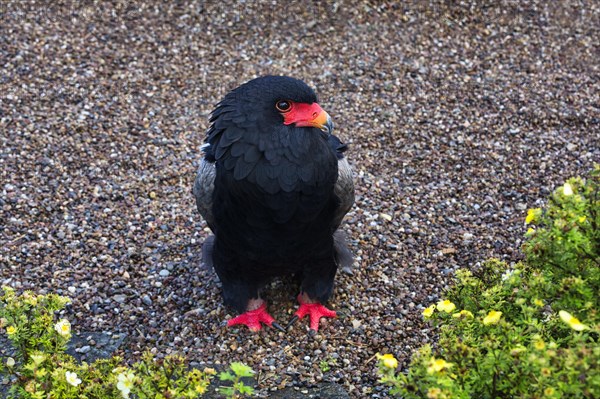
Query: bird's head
[[273, 101]]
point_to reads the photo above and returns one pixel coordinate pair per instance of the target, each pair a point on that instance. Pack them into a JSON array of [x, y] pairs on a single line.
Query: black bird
[[273, 187]]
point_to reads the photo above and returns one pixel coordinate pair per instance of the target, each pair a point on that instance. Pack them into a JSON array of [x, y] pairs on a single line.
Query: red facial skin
[[304, 115]]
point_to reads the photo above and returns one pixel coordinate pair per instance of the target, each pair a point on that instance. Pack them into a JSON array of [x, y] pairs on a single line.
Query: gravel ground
[[460, 115]]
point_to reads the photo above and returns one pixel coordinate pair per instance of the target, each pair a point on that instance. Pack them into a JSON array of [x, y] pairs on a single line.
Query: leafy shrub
[[530, 330], [41, 368], [238, 371]]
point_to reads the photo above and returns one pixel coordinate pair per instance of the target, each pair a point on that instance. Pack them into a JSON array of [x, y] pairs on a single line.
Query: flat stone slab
[[321, 391], [90, 346]]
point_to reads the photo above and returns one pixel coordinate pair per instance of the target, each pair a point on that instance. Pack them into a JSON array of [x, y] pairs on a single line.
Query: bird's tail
[[343, 256], [207, 252]]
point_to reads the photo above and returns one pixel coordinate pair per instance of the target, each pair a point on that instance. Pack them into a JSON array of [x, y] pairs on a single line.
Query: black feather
[[242, 169], [252, 155], [238, 149]]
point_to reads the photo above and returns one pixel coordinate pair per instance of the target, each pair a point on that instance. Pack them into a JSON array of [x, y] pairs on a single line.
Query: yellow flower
[[200, 388], [549, 391], [433, 393], [72, 378], [446, 306], [63, 327], [428, 312], [539, 345], [530, 231], [492, 318], [532, 215], [388, 360], [582, 219], [567, 189], [437, 365], [573, 322], [125, 382], [10, 362], [463, 314], [11, 330], [538, 302], [545, 371]]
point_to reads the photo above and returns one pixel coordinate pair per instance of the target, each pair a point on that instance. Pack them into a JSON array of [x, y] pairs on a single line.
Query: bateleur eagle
[[273, 186]]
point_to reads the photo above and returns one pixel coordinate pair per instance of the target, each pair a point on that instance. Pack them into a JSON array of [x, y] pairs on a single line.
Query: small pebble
[[146, 299]]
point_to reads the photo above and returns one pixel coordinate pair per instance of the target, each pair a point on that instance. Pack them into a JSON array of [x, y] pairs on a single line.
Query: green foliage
[[41, 369], [526, 331], [564, 240], [31, 317], [238, 371], [326, 364]]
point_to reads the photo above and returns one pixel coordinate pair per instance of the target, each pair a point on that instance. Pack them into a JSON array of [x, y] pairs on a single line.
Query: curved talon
[[278, 326], [253, 318], [292, 322]]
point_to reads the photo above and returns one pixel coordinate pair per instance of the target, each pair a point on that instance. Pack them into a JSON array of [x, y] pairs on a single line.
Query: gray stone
[[147, 300]]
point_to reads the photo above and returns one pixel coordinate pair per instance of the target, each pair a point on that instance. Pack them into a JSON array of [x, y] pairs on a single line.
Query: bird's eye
[[283, 105]]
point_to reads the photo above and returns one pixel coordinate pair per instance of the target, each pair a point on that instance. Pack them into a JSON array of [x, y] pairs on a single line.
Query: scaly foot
[[315, 311], [253, 319]]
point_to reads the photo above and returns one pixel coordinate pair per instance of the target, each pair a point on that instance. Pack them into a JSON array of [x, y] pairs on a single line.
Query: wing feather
[[203, 190], [344, 190]]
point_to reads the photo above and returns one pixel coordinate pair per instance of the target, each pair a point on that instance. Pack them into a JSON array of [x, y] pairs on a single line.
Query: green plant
[[564, 238], [528, 330], [326, 364], [238, 371], [40, 367]]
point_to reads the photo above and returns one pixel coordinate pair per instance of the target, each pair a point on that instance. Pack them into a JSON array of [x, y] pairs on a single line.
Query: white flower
[[507, 274], [72, 378], [125, 383], [567, 189], [10, 362], [63, 327]]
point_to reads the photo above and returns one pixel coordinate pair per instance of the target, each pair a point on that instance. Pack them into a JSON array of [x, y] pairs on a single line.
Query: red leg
[[253, 318], [314, 310]]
